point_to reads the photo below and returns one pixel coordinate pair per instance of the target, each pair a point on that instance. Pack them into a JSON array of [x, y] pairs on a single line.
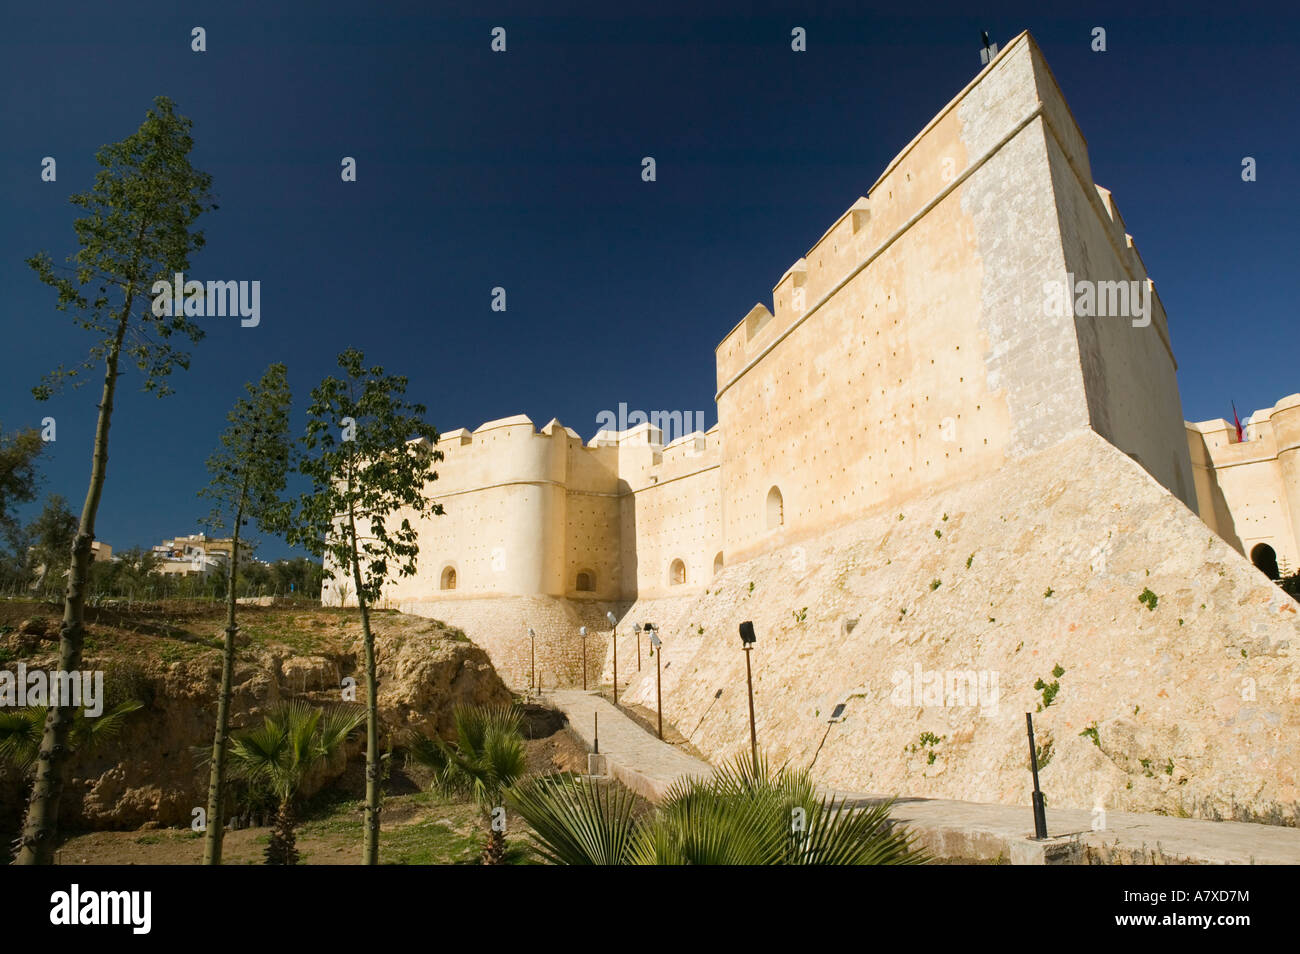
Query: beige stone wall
[[919, 354], [1195, 703], [1249, 492]]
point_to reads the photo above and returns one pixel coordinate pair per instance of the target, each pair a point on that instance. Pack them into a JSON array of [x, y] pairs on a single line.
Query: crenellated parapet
[[1248, 491]]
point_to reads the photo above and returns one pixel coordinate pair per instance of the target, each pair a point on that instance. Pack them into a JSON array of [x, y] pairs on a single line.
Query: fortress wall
[[500, 625], [592, 545], [1249, 492], [1195, 703], [676, 518], [1031, 358], [889, 386], [1129, 371]]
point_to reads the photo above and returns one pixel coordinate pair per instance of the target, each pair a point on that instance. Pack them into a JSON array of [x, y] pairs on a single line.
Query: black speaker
[[747, 632]]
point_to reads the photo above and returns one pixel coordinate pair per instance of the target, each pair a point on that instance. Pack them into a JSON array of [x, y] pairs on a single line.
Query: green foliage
[[1047, 594], [969, 560], [935, 584], [1148, 599], [249, 469], [50, 538], [938, 534], [19, 480], [368, 454], [1043, 753], [486, 758], [137, 229], [1049, 689], [275, 758], [1091, 732], [21, 731], [293, 740], [800, 615], [745, 814], [926, 741]]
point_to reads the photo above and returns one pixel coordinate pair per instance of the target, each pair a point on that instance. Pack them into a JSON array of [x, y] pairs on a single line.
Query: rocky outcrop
[[149, 775]]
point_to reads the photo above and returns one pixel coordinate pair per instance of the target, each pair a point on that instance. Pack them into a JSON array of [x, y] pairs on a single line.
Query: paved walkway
[[962, 830], [632, 755]]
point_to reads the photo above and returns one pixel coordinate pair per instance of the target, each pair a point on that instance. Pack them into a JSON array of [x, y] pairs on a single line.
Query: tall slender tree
[[248, 476], [138, 229], [370, 457]]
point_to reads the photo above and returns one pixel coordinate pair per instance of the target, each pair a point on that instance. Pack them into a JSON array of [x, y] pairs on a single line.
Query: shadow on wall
[[1220, 517]]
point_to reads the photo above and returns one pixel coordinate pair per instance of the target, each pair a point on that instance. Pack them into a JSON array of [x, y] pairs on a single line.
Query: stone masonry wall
[[1191, 706]]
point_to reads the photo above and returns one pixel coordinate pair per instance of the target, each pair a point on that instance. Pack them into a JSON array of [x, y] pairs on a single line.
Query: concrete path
[[962, 830], [633, 756]]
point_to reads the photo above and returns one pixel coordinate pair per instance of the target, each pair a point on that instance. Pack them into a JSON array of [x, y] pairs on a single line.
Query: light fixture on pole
[[636, 628], [532, 642], [747, 640], [656, 643], [582, 631], [613, 622]]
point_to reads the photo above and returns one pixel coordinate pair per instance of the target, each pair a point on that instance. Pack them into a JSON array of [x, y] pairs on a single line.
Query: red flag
[[1236, 420]]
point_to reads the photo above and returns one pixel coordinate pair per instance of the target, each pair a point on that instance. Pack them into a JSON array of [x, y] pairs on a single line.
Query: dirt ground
[[417, 826]]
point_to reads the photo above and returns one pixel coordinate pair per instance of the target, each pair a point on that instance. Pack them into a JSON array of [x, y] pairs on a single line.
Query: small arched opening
[[1265, 559], [448, 580], [676, 573], [717, 563], [586, 581], [775, 509]]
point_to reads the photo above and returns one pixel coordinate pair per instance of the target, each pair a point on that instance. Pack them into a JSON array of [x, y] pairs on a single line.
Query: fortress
[[925, 457]]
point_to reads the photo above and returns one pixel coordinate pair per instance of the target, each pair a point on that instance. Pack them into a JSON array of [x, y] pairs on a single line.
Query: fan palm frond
[[577, 822]]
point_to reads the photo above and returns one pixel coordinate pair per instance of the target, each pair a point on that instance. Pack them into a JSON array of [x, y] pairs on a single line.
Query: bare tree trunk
[[40, 830], [374, 776], [217, 773]]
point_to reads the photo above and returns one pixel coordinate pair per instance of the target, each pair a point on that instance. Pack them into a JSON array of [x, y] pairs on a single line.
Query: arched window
[[448, 578], [1265, 559], [586, 581], [775, 509], [717, 563], [676, 573]]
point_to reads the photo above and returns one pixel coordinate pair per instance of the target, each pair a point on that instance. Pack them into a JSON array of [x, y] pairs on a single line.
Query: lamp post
[[1036, 797], [747, 640], [582, 631], [532, 641], [636, 628], [656, 643], [613, 622]]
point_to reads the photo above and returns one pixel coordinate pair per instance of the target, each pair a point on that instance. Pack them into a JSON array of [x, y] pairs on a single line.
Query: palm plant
[[294, 740], [745, 814], [486, 759], [21, 731]]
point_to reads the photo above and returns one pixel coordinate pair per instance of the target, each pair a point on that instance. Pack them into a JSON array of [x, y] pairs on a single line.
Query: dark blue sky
[[522, 170]]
